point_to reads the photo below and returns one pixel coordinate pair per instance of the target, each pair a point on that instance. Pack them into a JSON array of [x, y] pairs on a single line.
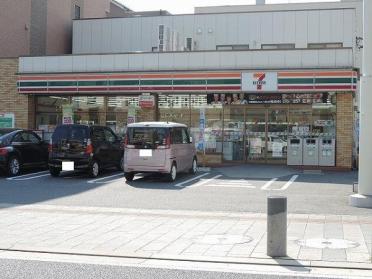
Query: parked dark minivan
[[21, 149], [89, 148]]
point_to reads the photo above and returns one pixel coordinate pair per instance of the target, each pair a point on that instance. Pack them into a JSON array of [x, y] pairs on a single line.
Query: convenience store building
[[245, 81]]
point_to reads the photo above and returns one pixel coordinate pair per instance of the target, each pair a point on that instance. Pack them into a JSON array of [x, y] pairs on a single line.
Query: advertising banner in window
[[6, 120]]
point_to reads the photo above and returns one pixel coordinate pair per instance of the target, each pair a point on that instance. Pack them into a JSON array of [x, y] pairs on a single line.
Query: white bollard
[[276, 226]]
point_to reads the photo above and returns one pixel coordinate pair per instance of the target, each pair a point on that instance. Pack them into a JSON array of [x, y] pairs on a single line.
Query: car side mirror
[[190, 139]]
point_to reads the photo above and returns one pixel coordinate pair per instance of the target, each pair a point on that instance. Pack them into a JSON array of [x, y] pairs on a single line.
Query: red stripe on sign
[[123, 88], [33, 89], [157, 88], [62, 89], [82, 89], [224, 88], [305, 87], [340, 87], [190, 88]]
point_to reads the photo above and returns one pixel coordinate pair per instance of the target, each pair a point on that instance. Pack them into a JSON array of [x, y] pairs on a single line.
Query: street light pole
[[364, 196]]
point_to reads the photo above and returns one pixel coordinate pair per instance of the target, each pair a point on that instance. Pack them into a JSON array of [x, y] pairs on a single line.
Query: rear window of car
[[78, 133], [147, 137]]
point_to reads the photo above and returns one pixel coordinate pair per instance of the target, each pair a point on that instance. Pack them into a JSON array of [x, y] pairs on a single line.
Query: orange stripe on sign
[[124, 76], [156, 76], [232, 75], [190, 76], [319, 74]]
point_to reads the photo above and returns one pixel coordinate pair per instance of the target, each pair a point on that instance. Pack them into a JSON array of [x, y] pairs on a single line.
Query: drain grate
[[330, 243], [222, 239]]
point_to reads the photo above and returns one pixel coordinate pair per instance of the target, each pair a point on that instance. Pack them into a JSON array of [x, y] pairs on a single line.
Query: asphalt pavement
[[234, 189]]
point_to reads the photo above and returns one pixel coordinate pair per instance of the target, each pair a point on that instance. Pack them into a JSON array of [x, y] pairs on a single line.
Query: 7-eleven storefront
[[233, 116]]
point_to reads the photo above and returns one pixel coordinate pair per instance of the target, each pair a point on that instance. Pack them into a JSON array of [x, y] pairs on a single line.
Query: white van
[[158, 147]]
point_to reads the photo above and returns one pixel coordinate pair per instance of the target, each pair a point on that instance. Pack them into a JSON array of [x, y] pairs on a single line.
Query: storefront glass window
[[175, 108]]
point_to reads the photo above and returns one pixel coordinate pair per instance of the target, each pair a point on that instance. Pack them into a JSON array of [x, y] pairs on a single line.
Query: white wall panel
[[243, 26], [326, 58], [150, 61], [87, 37], [135, 63], [65, 63], [121, 62], [337, 26], [289, 31], [310, 58], [301, 28], [52, 64], [228, 60], [77, 36], [221, 29], [325, 28], [260, 58], [38, 64], [293, 59], [93, 63], [107, 62], [343, 59], [79, 63], [254, 29], [278, 27], [212, 59], [166, 61], [181, 60], [232, 29], [349, 27], [244, 60], [277, 59], [97, 35], [313, 27], [116, 28], [146, 34], [196, 61], [266, 20]]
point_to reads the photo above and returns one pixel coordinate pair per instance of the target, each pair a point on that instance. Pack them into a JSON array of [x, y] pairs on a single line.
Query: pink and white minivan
[[158, 147]]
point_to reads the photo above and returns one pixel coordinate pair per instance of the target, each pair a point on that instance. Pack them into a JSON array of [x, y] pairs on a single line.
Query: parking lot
[[236, 189]]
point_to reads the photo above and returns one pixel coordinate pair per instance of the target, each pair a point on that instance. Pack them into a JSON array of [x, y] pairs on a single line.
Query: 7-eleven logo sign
[[259, 80]]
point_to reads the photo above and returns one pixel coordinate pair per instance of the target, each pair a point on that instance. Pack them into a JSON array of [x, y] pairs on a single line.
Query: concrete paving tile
[[199, 249], [336, 255], [310, 254], [358, 257]]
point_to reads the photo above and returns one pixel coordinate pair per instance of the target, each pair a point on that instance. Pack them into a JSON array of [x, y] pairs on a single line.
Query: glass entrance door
[[233, 141], [255, 134], [277, 134]]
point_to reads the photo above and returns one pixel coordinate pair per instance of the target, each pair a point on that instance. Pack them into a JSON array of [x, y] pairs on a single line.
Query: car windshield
[[4, 132], [76, 133], [147, 136]]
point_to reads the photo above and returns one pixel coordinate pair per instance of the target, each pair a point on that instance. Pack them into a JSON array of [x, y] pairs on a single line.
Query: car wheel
[[94, 169], [120, 166], [54, 171], [129, 176], [194, 167], [14, 166], [173, 173]]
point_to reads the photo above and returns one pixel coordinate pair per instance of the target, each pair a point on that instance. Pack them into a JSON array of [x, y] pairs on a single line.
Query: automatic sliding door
[[277, 134], [255, 134], [233, 145]]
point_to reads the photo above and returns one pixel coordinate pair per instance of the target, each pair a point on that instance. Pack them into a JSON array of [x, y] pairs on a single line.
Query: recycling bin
[[311, 152], [294, 152], [327, 152]]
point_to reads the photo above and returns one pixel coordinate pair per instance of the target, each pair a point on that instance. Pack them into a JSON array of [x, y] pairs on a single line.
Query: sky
[[187, 6]]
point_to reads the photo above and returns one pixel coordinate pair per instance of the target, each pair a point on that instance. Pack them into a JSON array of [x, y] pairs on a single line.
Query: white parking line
[[27, 178], [205, 181], [285, 187], [192, 179], [29, 174], [231, 186], [268, 184], [106, 177]]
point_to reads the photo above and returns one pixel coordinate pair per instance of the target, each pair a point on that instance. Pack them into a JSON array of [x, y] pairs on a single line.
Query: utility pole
[[364, 196]]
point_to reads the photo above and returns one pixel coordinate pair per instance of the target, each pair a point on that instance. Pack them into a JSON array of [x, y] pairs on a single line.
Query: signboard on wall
[[260, 81], [201, 144], [7, 120], [67, 114], [131, 114], [146, 101]]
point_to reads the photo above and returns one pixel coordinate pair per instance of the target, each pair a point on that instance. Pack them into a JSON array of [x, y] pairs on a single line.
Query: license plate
[[68, 166], [145, 153]]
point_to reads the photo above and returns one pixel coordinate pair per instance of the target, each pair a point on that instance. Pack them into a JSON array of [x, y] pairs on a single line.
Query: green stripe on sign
[[295, 81], [189, 82], [124, 82], [93, 83], [333, 80], [224, 81], [156, 82], [62, 83], [33, 84]]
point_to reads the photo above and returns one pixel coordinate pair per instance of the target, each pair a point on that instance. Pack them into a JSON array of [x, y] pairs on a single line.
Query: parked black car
[[90, 148], [21, 149]]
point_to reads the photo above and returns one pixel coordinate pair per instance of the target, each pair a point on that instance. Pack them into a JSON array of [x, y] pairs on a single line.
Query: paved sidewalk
[[313, 240]]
